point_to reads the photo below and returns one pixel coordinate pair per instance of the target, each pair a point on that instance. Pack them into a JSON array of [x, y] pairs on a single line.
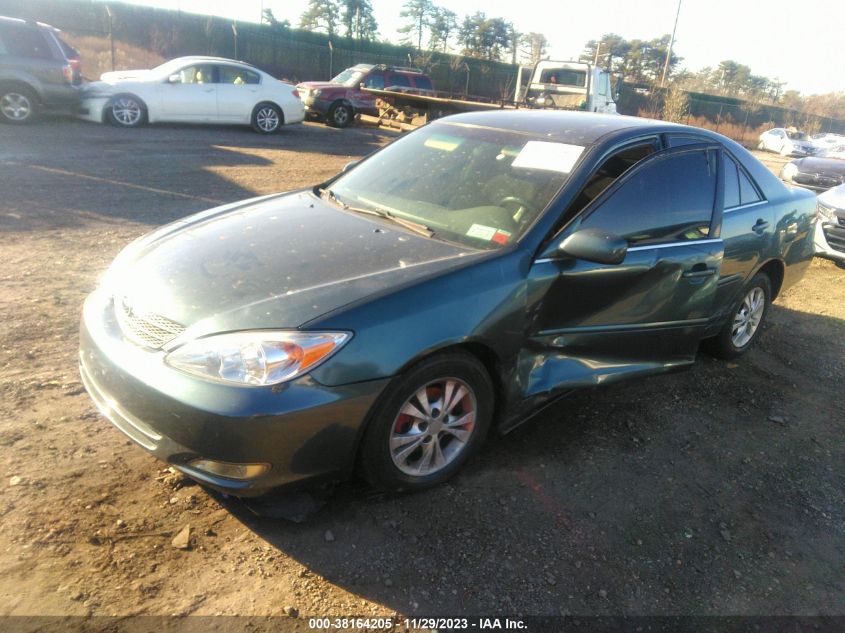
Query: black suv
[[37, 70]]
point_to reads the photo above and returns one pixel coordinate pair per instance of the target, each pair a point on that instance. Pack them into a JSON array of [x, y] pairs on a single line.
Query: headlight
[[256, 358], [789, 170], [826, 212]]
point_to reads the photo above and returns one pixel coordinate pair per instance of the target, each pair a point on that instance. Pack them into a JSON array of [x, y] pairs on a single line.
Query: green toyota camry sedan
[[450, 284]]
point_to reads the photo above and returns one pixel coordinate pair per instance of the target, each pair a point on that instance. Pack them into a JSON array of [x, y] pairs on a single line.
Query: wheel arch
[[481, 351], [20, 84], [275, 104], [146, 117], [775, 270]]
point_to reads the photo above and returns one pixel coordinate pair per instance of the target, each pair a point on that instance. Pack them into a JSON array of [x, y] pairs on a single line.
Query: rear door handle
[[761, 226], [699, 270]]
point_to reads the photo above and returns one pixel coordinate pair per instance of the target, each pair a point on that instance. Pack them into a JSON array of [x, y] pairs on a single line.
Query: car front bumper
[[92, 108], [301, 429], [829, 239]]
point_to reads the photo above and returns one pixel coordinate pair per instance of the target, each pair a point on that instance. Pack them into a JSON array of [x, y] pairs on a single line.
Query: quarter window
[[747, 191], [669, 200]]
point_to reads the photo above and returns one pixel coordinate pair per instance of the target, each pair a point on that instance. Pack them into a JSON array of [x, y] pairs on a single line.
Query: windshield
[[169, 68], [349, 77], [797, 136], [481, 187]]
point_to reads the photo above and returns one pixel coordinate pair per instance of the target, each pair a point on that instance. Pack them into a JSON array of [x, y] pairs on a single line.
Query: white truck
[[566, 85]]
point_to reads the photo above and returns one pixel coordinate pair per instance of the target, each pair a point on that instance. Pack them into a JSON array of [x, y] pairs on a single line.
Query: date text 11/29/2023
[[415, 624]]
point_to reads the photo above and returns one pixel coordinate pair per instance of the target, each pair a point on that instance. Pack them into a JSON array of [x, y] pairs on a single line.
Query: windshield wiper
[[328, 194], [417, 227]]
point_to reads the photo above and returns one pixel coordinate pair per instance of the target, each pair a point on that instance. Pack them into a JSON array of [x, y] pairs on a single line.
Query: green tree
[[443, 26], [321, 15], [269, 19], [612, 51], [483, 37], [358, 19], [418, 16], [533, 47]]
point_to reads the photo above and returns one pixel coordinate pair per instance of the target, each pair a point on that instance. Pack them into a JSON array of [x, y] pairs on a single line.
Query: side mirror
[[349, 166], [593, 245], [175, 78]]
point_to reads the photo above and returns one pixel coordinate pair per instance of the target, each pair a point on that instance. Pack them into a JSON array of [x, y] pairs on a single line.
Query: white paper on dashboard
[[559, 157]]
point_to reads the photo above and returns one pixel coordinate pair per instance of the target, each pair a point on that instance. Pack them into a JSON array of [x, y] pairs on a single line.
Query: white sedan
[[194, 90], [790, 142]]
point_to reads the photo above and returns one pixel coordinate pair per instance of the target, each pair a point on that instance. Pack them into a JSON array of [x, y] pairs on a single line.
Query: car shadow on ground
[[84, 172], [714, 490]]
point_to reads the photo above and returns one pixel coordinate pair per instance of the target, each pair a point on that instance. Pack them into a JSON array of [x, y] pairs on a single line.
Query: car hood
[[320, 85], [821, 165], [834, 197], [276, 262], [124, 75]]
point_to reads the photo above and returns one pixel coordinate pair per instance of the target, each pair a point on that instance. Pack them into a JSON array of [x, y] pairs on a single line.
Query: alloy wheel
[[15, 106], [748, 317], [341, 116], [267, 119], [127, 111], [433, 427]]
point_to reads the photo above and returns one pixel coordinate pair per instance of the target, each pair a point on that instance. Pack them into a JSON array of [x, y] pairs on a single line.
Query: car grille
[[818, 180], [145, 328], [835, 236]]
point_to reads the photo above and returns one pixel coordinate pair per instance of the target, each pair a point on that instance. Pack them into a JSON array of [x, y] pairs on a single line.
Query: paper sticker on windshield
[[559, 157], [481, 232], [441, 141]]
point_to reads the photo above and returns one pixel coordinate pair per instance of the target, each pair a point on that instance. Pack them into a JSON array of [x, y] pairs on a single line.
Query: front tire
[[339, 115], [267, 118], [18, 105], [126, 111], [746, 320], [429, 422]]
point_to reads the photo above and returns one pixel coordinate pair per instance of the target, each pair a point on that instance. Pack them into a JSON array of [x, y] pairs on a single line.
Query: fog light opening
[[240, 472]]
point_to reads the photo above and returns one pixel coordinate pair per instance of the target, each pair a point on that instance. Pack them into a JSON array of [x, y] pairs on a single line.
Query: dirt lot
[[714, 491]]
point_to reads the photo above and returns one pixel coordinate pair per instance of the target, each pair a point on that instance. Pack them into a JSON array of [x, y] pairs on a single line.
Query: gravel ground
[[717, 491]]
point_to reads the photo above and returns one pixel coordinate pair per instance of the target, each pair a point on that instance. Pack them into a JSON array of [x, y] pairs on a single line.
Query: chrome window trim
[[546, 260], [744, 206]]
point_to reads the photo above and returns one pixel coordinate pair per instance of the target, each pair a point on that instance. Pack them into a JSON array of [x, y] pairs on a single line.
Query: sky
[[796, 42]]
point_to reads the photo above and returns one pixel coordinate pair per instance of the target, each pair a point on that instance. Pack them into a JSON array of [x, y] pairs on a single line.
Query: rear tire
[[745, 321], [428, 423], [18, 105], [126, 111], [267, 118], [339, 115]]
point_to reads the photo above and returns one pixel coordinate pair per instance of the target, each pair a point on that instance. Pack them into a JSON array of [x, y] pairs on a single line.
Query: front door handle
[[761, 226], [699, 270]]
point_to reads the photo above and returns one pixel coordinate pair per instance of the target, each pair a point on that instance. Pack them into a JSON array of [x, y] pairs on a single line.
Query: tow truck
[[561, 85]]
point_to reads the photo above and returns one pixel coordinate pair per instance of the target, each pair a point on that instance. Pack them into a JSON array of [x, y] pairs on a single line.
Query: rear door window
[[732, 198], [398, 80], [423, 83], [374, 80], [237, 76]]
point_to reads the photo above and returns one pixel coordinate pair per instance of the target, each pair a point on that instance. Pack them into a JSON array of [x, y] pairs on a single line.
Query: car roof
[[577, 128], [22, 22], [210, 59]]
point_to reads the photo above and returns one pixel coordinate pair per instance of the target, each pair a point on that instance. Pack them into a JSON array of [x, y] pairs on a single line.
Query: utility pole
[[596, 59], [111, 34], [671, 43]]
